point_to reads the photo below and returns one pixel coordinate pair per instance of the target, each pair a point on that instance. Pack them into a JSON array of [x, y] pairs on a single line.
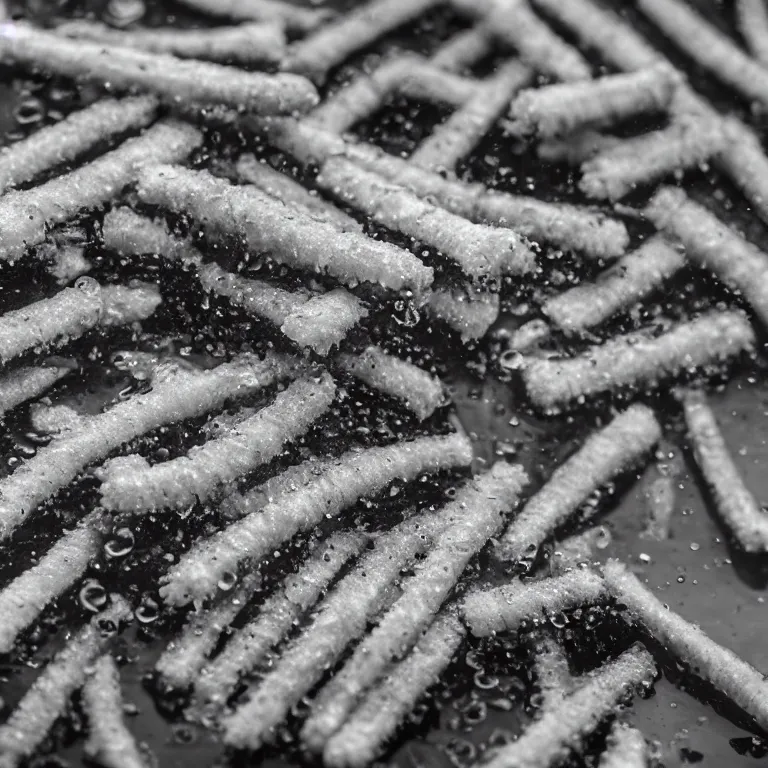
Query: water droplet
[[37, 439], [301, 708], [500, 737], [183, 734], [148, 611], [475, 713], [93, 596], [558, 620], [120, 13], [409, 318], [537, 699], [30, 111], [227, 581], [27, 450], [506, 449], [461, 750], [419, 712], [511, 360], [485, 681], [603, 537], [107, 627], [121, 544], [125, 393]]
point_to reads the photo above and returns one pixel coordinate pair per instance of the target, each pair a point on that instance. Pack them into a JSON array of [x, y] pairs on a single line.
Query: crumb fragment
[[711, 244], [168, 77], [507, 607], [23, 600], [735, 503], [280, 612], [243, 44], [629, 280], [690, 646], [637, 359], [364, 736], [558, 110], [130, 484], [288, 235], [25, 215], [73, 136], [616, 447], [48, 697], [357, 474], [485, 500], [110, 743]]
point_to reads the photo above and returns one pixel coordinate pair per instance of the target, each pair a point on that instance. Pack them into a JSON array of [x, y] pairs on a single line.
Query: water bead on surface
[[121, 13], [148, 611], [93, 596], [227, 581], [30, 111], [121, 544]]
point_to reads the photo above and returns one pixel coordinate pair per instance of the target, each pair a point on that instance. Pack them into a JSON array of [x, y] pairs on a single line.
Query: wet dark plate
[[697, 571]]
